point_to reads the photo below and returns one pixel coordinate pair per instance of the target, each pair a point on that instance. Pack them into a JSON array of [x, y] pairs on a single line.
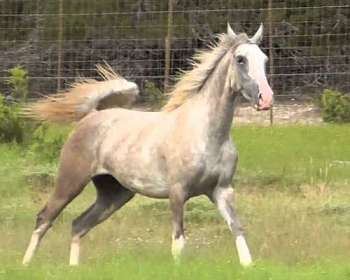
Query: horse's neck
[[213, 109], [221, 109]]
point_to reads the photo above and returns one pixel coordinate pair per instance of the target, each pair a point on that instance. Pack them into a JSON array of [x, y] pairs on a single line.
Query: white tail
[[84, 97]]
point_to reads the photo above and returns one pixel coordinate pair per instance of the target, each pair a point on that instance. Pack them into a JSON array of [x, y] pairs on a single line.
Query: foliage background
[[309, 45]]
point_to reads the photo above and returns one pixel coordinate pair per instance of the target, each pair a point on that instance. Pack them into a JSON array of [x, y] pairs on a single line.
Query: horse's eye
[[241, 59]]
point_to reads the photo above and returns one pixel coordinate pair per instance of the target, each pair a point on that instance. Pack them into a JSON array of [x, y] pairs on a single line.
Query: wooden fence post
[[168, 39], [271, 64], [59, 45]]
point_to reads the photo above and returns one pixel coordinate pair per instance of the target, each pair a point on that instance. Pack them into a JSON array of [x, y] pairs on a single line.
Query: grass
[[128, 266], [293, 198], [293, 155]]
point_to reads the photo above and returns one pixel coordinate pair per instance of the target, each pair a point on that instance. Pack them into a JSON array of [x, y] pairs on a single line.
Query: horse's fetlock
[[77, 231], [41, 218]]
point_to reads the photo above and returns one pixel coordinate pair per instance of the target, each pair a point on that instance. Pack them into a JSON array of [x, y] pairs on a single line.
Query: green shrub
[[47, 141], [11, 125], [153, 96], [335, 106], [18, 81]]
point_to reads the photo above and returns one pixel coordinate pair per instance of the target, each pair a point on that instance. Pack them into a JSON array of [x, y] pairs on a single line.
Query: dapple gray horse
[[183, 151]]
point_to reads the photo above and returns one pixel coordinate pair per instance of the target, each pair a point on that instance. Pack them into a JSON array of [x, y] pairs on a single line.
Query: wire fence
[[148, 41]]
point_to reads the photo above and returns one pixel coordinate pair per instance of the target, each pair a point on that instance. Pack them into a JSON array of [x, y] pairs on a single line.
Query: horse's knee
[[223, 194]]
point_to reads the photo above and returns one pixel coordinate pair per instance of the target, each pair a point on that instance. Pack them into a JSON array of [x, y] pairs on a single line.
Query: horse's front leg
[[223, 198], [177, 202]]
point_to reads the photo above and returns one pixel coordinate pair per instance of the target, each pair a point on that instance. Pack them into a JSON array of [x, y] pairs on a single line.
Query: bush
[[47, 141], [335, 106], [153, 96], [18, 81], [11, 125]]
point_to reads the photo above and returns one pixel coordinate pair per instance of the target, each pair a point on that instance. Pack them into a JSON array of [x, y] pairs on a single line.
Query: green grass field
[[293, 197]]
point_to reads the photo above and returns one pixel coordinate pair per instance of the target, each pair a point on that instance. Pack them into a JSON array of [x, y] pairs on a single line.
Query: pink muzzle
[[265, 96]]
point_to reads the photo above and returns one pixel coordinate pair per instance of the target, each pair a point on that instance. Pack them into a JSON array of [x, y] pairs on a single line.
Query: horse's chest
[[208, 179], [203, 172]]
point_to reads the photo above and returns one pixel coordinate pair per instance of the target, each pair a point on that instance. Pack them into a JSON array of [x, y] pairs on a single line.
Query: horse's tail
[[84, 97]]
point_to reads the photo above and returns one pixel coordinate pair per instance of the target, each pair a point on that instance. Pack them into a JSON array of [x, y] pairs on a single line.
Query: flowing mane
[[204, 63]]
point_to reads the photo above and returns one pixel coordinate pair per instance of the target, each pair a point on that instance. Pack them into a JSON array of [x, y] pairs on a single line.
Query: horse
[[182, 151]]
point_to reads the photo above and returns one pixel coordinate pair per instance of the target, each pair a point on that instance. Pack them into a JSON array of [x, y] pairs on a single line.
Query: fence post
[[168, 39], [59, 46], [271, 65]]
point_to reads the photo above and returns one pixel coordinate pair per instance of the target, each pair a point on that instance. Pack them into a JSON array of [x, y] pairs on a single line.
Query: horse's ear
[[230, 32], [257, 38]]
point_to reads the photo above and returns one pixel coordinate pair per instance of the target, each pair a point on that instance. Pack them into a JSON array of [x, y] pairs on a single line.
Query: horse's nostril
[[260, 96]]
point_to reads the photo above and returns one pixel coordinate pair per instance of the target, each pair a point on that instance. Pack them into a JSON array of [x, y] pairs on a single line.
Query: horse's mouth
[[262, 108], [262, 105]]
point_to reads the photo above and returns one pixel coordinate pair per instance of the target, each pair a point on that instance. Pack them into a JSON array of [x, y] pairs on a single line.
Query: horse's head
[[248, 71]]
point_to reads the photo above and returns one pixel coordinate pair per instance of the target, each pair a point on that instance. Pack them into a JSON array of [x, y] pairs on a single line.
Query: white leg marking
[[74, 251], [33, 244], [243, 251], [177, 247]]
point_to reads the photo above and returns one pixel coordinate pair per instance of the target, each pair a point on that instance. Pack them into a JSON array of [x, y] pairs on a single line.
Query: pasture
[[292, 194]]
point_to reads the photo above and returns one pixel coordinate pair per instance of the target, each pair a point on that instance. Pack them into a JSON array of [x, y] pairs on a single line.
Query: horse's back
[[108, 139]]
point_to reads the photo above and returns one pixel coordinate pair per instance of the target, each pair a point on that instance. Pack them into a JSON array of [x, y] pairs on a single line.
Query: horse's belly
[[145, 184], [152, 189]]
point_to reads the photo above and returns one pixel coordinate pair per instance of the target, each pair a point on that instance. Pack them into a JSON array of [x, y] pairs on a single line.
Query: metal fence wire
[[308, 41]]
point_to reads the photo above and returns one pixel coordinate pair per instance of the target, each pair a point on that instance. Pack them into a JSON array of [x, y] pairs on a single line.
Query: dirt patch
[[283, 113]]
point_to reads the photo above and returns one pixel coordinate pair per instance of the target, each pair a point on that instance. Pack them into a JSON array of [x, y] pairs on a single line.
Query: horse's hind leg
[[71, 180], [111, 196]]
